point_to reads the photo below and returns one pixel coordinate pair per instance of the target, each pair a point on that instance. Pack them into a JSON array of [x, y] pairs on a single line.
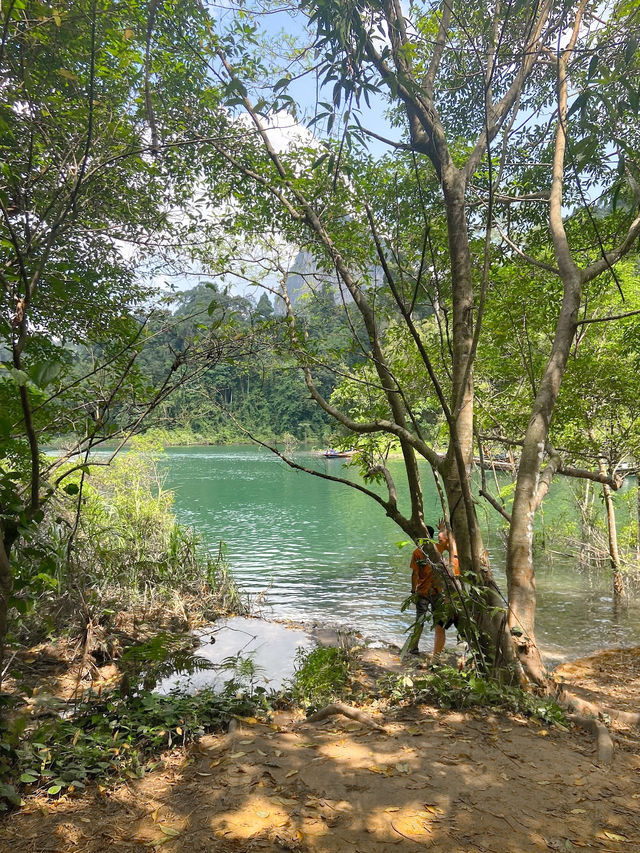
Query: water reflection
[[271, 648], [325, 552]]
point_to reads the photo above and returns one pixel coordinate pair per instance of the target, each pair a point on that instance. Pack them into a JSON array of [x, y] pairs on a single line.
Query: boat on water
[[336, 454]]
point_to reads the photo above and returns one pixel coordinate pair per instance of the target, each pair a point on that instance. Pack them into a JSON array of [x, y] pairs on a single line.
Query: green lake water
[[308, 550]]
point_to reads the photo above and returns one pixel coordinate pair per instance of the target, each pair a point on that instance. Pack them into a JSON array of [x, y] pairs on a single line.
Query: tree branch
[[610, 258]]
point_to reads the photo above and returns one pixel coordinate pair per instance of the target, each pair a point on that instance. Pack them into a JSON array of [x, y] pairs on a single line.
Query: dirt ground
[[447, 780]]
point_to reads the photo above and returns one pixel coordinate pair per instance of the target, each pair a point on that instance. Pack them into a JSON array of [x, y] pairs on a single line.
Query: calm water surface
[[310, 550]]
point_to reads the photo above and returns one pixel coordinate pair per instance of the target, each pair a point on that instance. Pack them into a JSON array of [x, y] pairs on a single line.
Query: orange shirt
[[424, 579]]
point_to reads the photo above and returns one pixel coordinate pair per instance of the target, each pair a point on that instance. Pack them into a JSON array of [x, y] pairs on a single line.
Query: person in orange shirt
[[426, 584]]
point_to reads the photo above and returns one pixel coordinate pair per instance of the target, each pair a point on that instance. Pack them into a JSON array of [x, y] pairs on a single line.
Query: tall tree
[[504, 108], [81, 189]]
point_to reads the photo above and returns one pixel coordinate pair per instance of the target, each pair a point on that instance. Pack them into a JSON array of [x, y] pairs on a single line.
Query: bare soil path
[[447, 780]]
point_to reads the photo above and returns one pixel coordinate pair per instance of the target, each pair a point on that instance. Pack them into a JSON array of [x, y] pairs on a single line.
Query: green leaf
[[54, 789], [579, 102], [8, 792], [72, 488], [18, 376], [43, 373], [28, 778]]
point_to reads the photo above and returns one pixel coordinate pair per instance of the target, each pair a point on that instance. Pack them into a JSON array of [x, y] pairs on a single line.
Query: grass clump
[[321, 676]]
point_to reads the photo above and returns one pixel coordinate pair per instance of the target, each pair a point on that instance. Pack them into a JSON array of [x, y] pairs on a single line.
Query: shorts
[[442, 612]]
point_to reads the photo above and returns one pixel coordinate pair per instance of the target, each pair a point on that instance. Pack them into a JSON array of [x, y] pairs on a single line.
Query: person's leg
[[438, 640], [422, 606]]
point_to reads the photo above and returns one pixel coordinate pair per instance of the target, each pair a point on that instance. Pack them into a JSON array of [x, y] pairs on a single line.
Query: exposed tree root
[[604, 742], [585, 715], [581, 706], [346, 711]]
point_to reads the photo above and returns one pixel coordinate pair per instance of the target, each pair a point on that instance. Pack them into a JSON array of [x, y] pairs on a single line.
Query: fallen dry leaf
[[612, 836], [170, 831], [413, 827]]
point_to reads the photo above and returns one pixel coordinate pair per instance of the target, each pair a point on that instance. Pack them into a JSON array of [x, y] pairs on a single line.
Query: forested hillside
[[264, 395]]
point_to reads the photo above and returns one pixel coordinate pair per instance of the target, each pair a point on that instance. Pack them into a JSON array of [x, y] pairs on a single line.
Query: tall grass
[[121, 549]]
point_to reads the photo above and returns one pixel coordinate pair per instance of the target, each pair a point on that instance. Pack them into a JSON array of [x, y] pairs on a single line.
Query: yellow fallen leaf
[[412, 827], [251, 720], [154, 815], [578, 811], [393, 809], [612, 836], [579, 782], [215, 763], [290, 773], [237, 754], [202, 773], [285, 801], [247, 741], [543, 732], [178, 730]]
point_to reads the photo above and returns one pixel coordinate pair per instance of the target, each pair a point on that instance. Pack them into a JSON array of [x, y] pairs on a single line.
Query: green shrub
[[111, 739], [450, 688], [321, 675], [121, 549]]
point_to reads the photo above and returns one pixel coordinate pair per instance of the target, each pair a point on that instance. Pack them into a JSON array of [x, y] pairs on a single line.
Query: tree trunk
[[6, 585], [638, 511], [486, 613], [530, 490], [585, 527], [612, 533]]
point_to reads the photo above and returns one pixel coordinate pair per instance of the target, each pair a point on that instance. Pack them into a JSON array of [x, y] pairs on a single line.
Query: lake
[[312, 551]]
